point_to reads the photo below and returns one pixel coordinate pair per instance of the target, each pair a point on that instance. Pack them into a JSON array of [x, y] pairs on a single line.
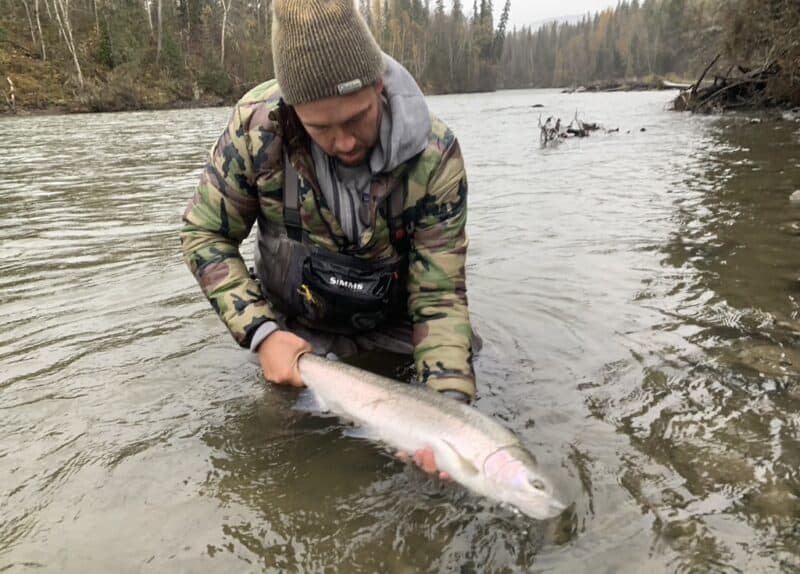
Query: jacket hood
[[405, 123]]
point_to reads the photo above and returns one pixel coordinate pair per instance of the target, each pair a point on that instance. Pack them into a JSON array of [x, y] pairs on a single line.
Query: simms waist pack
[[347, 292]]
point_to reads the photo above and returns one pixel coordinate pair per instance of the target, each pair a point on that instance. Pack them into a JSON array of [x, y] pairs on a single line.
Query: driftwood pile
[[738, 88], [553, 131]]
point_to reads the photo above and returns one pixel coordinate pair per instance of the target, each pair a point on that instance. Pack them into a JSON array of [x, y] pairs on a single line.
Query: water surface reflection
[[637, 293]]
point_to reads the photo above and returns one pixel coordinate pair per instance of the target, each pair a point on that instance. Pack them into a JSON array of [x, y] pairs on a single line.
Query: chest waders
[[326, 290]]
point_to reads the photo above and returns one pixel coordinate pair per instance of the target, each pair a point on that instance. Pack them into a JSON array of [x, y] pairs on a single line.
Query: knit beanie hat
[[322, 48]]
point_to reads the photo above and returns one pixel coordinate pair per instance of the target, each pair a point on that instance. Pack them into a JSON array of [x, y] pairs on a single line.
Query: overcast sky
[[524, 12]]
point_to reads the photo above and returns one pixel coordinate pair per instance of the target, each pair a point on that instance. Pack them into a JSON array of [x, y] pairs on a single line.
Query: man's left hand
[[425, 459]]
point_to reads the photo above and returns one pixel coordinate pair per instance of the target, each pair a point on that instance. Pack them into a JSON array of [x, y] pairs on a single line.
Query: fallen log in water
[[667, 85]]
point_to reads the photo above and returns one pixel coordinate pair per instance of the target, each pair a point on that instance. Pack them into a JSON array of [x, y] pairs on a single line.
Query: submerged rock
[[768, 359], [791, 115], [795, 197], [792, 228]]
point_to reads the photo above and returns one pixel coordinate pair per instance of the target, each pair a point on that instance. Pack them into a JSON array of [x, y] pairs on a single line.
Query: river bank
[[646, 84], [30, 84], [33, 86]]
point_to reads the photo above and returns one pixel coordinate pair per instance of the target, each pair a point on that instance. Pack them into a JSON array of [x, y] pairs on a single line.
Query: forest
[[98, 55]]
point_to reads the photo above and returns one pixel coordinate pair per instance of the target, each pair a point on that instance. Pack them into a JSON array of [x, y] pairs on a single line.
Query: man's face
[[345, 127]]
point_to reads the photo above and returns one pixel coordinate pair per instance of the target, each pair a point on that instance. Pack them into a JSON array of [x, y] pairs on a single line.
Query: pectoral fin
[[466, 465], [310, 402], [359, 433]]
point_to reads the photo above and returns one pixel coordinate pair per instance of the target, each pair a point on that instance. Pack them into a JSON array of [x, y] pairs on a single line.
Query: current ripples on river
[[637, 293]]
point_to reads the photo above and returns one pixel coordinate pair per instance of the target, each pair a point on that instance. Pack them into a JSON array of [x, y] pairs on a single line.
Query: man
[[360, 198]]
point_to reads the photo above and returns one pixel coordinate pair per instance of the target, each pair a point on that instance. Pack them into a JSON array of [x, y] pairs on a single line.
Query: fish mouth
[[543, 508], [556, 507]]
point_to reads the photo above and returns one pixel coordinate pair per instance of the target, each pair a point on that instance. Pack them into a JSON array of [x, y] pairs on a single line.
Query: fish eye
[[538, 484]]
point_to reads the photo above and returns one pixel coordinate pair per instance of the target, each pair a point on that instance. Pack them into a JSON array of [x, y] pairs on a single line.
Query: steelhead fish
[[476, 451]]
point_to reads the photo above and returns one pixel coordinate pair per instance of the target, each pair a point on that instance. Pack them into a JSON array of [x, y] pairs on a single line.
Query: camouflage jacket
[[243, 179]]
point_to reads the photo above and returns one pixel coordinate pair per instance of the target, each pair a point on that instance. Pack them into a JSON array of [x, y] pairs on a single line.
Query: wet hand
[[278, 355], [425, 459]]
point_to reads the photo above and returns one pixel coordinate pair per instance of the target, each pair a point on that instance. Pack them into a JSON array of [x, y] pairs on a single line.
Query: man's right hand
[[278, 355]]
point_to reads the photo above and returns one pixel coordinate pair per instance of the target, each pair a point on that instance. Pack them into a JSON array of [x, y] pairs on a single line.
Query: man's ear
[[379, 86]]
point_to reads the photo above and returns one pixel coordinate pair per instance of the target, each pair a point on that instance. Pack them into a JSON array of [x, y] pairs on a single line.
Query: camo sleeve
[[216, 221], [437, 279]]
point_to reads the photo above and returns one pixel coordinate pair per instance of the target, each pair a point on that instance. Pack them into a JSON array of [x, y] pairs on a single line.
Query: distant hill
[[571, 19]]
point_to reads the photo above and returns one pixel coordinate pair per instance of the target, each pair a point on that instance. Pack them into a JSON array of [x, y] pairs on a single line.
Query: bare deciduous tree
[[39, 27], [96, 17], [62, 17], [226, 6], [30, 21], [149, 12], [159, 33]]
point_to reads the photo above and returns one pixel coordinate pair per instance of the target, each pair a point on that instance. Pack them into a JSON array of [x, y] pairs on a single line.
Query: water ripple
[[636, 293]]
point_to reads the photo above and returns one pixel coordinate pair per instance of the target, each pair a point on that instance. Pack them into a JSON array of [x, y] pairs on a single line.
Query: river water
[[638, 293]]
